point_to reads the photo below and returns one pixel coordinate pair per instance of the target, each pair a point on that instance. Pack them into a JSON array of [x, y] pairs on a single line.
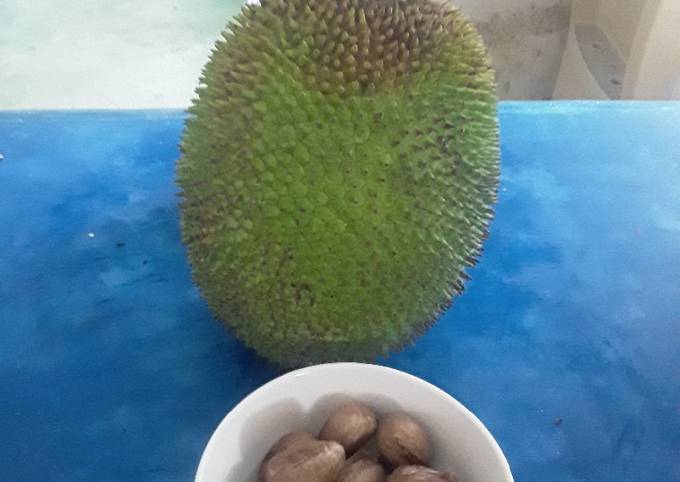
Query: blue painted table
[[566, 342]]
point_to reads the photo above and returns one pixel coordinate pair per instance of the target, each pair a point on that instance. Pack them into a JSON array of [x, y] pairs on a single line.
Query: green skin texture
[[331, 218]]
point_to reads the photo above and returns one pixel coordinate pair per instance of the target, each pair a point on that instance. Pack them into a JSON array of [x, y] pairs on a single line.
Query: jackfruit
[[339, 167]]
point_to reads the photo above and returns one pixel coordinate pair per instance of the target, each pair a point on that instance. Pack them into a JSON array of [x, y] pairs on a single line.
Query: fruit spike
[[338, 171]]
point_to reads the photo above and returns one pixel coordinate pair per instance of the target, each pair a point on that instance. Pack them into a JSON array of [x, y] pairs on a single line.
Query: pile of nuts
[[340, 455]]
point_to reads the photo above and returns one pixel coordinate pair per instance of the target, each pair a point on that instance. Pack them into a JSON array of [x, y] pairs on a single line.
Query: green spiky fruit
[[338, 172]]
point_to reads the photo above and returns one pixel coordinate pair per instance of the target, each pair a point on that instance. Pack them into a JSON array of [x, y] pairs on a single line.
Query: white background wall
[[676, 90], [148, 53], [653, 69], [619, 19], [526, 40], [105, 53], [643, 36]]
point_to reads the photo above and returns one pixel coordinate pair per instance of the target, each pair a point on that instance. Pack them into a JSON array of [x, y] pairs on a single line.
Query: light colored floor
[[105, 54]]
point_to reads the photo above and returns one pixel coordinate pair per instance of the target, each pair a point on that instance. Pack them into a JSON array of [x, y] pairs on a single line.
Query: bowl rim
[[235, 411]]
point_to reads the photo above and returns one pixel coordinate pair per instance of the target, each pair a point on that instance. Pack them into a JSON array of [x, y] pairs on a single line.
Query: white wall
[[105, 53], [584, 10], [575, 80], [139, 54], [676, 90], [619, 20], [526, 41], [645, 34], [654, 66]]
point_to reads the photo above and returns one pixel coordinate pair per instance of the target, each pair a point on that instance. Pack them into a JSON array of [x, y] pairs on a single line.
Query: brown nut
[[287, 441], [418, 473], [362, 471], [312, 461], [402, 441], [351, 424], [362, 454]]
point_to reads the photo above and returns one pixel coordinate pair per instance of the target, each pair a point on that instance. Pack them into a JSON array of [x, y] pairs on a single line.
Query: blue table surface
[[566, 342]]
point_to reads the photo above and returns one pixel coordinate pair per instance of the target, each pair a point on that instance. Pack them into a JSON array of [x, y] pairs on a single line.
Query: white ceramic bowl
[[302, 399]]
